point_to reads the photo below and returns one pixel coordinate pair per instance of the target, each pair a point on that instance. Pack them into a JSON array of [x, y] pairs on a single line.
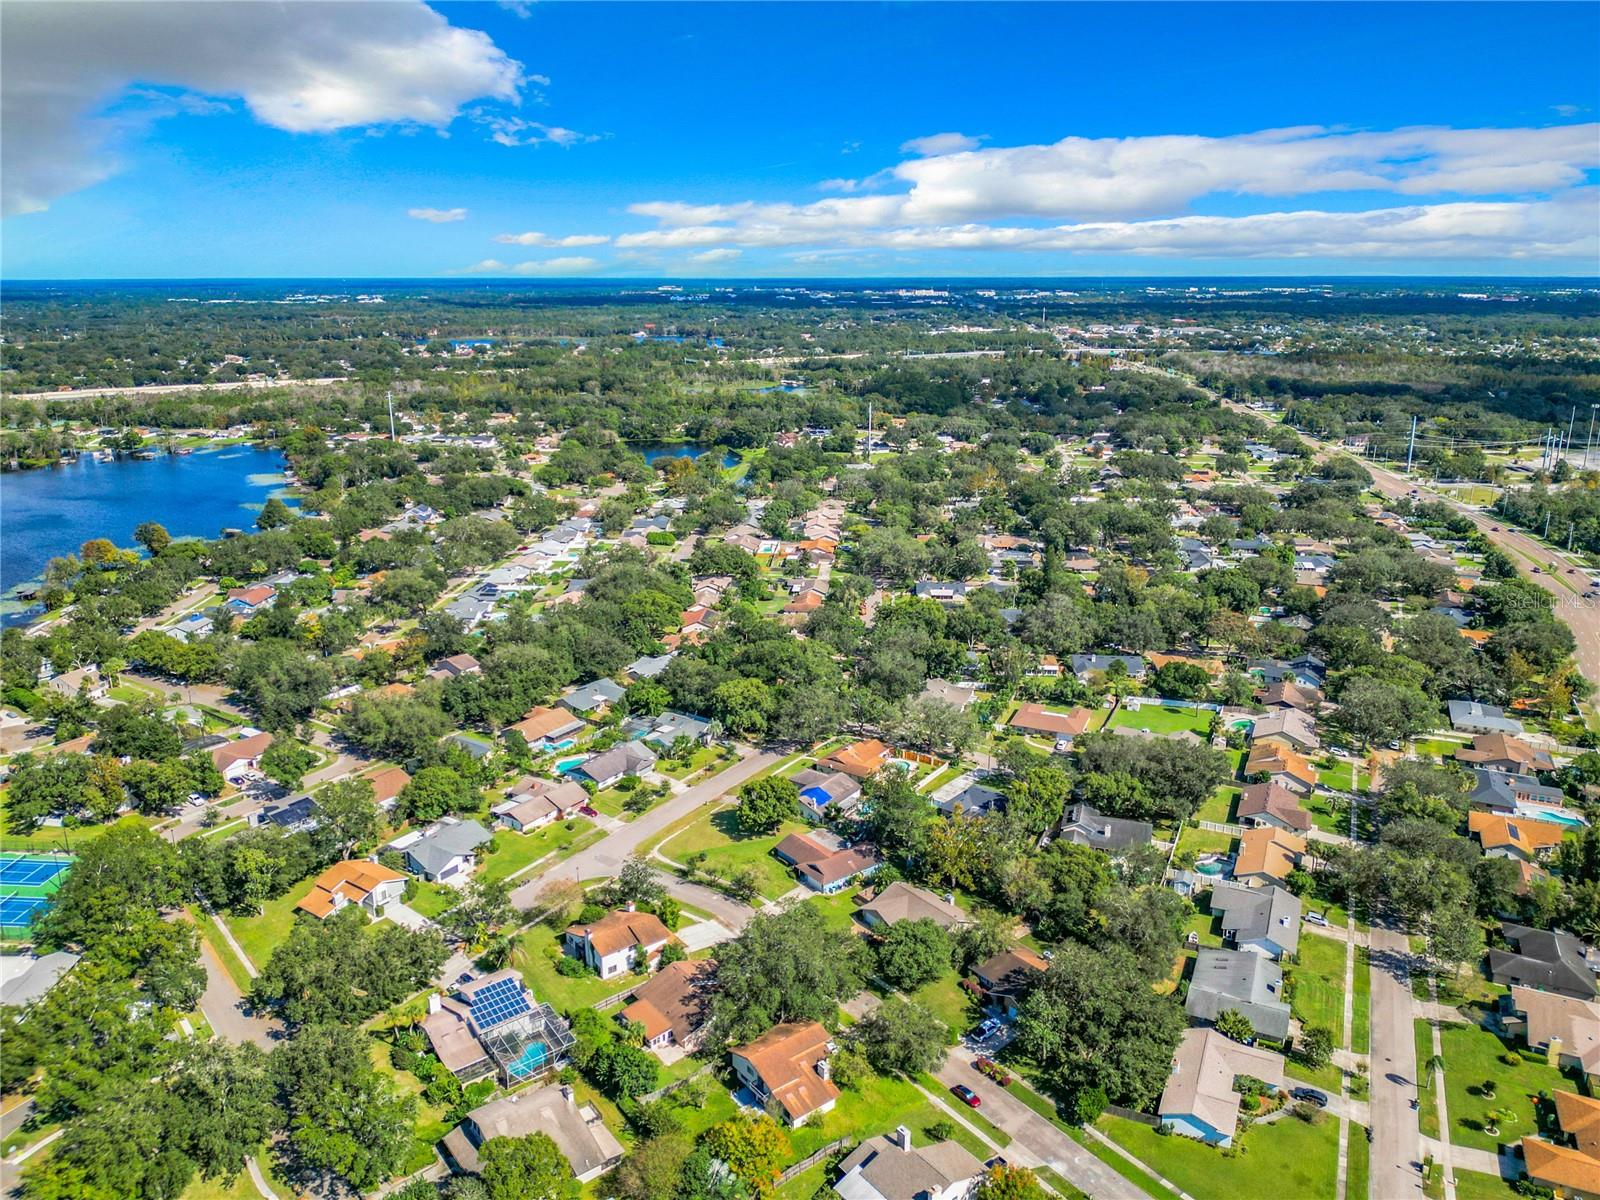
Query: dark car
[[966, 1095], [1310, 1096]]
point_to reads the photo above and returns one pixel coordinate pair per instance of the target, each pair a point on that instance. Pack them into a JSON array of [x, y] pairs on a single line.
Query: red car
[[966, 1095]]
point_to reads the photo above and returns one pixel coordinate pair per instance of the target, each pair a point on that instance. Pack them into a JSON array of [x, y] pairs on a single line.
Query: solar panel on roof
[[500, 1001]]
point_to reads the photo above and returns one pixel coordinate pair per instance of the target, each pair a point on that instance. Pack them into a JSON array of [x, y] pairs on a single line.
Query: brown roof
[[252, 595], [798, 849], [231, 752], [861, 759], [1067, 724], [386, 784], [619, 930], [840, 865], [1552, 1017], [1268, 851], [1274, 758], [1527, 838], [1274, 800], [807, 601], [1287, 692], [1556, 1166], [677, 997], [786, 1058], [541, 721], [1502, 747], [353, 880], [1579, 1118], [1011, 970]]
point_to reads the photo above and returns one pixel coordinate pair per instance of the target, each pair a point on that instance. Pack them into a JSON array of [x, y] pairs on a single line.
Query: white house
[[619, 943]]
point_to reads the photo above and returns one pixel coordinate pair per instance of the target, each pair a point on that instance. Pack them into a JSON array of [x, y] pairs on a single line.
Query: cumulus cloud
[[545, 239], [302, 68], [940, 143], [570, 265], [1492, 193], [439, 216], [708, 258], [515, 131]]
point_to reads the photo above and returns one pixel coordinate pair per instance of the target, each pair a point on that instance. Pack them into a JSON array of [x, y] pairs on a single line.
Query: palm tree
[[1433, 1067]]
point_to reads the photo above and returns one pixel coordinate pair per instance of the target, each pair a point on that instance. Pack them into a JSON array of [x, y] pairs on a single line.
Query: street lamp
[[1590, 442]]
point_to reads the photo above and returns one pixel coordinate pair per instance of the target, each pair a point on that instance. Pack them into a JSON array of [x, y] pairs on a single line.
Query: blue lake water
[[655, 450], [52, 511]]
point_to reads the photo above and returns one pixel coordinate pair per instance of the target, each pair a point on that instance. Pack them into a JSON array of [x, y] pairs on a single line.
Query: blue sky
[[542, 140]]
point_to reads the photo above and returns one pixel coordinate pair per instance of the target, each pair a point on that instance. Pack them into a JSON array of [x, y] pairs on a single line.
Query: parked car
[[1310, 1096], [966, 1095], [1316, 918], [990, 1028]]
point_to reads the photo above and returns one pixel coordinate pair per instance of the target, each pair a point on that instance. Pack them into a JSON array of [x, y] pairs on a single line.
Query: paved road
[[605, 858], [1396, 1136], [1037, 1135]]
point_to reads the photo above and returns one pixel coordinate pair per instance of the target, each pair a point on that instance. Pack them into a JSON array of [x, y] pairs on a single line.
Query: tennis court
[[22, 870], [18, 912]]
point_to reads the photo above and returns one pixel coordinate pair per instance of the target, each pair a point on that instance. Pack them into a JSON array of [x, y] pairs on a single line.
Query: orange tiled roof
[[1268, 851], [1527, 838], [619, 930], [860, 759], [786, 1058], [1561, 1167], [352, 880]]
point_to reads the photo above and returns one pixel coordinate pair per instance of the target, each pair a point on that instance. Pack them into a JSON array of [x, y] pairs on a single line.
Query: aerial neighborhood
[[686, 770]]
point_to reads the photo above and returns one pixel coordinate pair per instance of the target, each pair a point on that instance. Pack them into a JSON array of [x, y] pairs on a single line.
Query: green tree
[[1231, 1023], [765, 804], [274, 514], [902, 1038], [152, 536], [229, 1104], [913, 953], [287, 760], [785, 966], [435, 791], [753, 1147], [1314, 1046], [526, 1168], [1005, 1182]]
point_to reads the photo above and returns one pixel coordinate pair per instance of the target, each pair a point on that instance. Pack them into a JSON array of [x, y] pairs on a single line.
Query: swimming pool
[[569, 764], [1554, 816], [529, 1062], [1212, 865]]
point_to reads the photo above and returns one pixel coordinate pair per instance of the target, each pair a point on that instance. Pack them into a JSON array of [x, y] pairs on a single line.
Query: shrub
[[571, 968], [940, 1131]]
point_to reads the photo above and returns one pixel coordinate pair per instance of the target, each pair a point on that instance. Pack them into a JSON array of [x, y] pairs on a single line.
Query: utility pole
[[1590, 442], [1567, 449], [1411, 447], [869, 430], [389, 396]]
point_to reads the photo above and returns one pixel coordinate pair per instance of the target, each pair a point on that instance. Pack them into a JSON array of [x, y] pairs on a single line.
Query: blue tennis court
[[17, 912], [30, 872]]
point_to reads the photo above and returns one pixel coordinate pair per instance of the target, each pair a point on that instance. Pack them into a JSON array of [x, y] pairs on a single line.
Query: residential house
[[1539, 958], [534, 803], [1004, 979], [825, 794], [593, 697], [1086, 665], [1062, 726], [26, 979], [444, 850], [1236, 980], [1468, 716], [1282, 766], [670, 726], [647, 667], [1290, 726], [1199, 1100], [491, 1025], [387, 785], [889, 1167], [1288, 694], [548, 728], [609, 767], [295, 815], [787, 1070], [470, 610], [1514, 837], [1505, 753], [1085, 825], [1267, 855], [241, 758], [578, 1131], [956, 695], [859, 760], [823, 863], [902, 901], [966, 795], [674, 1004], [1262, 804], [946, 592], [1264, 920], [354, 881], [192, 628], [455, 666], [1510, 795], [1307, 671], [619, 943], [1564, 1029], [1569, 1162], [246, 600]]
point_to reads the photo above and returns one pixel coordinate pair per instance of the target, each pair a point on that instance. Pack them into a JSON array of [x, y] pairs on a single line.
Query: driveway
[[227, 1009], [605, 858], [703, 934], [1037, 1135]]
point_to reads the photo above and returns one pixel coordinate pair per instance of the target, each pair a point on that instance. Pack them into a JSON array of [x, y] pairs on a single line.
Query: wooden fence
[[812, 1159]]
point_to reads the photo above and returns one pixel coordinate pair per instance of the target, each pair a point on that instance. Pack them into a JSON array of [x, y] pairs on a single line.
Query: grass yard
[[432, 899], [1428, 1117], [431, 1125], [1328, 815], [1285, 1158], [260, 935], [1219, 806], [1204, 841], [728, 850], [207, 925], [1340, 776], [1157, 720], [565, 993], [1360, 1020], [703, 757], [1472, 1055], [946, 999], [1143, 1180], [1475, 1185], [1356, 1185], [514, 851], [1319, 983]]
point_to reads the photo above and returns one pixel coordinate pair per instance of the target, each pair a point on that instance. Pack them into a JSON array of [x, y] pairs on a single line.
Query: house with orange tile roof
[[1568, 1163], [787, 1070], [861, 760], [1281, 765], [1514, 837], [1267, 855], [806, 602], [674, 1004], [354, 881], [1504, 752], [542, 727], [619, 942], [387, 784], [1035, 718]]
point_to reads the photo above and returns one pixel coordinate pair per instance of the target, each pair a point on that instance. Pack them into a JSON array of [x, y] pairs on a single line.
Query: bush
[[940, 1131], [627, 783], [571, 968]]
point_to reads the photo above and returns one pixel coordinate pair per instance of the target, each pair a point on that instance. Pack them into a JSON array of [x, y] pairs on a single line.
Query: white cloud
[[708, 258], [571, 240], [940, 143], [439, 216], [514, 131], [570, 265], [302, 68]]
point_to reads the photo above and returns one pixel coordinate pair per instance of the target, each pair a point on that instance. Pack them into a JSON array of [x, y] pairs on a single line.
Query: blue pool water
[[1555, 818], [568, 764], [530, 1061]]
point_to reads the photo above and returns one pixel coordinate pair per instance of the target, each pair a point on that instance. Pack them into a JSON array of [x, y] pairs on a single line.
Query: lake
[[52, 511], [655, 450]]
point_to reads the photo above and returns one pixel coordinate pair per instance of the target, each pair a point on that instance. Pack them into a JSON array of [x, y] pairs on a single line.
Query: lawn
[[564, 993], [1319, 983], [431, 1125], [702, 757], [1285, 1158], [1329, 815], [728, 850], [260, 935], [1428, 1117], [514, 851], [1472, 1055], [1154, 719], [1219, 806], [1340, 776], [1475, 1185], [949, 1001], [1203, 841], [1356, 1183], [1359, 1021], [432, 899]]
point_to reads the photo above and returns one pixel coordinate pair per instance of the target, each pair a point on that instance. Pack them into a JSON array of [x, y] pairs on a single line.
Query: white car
[[1316, 918]]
